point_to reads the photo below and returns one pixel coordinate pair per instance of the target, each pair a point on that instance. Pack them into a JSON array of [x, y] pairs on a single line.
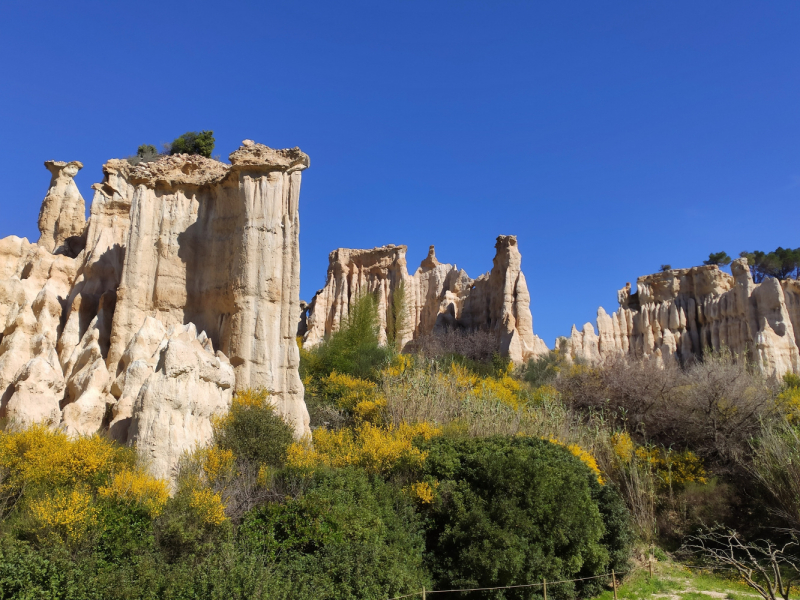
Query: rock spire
[[437, 295], [182, 287], [681, 313]]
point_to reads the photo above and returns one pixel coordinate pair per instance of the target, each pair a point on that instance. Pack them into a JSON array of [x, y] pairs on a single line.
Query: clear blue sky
[[610, 137]]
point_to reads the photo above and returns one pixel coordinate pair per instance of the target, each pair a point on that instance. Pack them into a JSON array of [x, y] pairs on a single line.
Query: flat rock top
[[192, 169], [251, 153], [186, 169]]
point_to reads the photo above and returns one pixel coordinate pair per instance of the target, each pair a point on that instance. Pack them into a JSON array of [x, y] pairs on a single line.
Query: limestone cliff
[[99, 320], [682, 312], [436, 295]]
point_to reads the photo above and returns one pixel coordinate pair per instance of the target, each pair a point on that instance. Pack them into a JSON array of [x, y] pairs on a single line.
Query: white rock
[[173, 410]]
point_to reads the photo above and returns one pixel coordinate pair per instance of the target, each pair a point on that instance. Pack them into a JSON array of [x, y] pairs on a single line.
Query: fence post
[[544, 587], [614, 583], [651, 563], [423, 593]]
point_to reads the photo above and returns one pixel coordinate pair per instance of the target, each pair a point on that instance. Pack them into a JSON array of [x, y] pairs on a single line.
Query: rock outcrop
[[99, 320], [63, 213], [174, 406], [437, 295], [684, 312]]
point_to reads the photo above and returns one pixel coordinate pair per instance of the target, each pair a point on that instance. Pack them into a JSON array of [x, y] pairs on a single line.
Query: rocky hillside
[[181, 287]]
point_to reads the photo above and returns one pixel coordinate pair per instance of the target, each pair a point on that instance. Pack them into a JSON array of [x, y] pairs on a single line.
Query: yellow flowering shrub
[[373, 448], [38, 455], [400, 364], [217, 464], [136, 486], [348, 391], [680, 468], [789, 398], [421, 491], [584, 456], [208, 506], [504, 389], [264, 477], [544, 393], [69, 514], [670, 467], [623, 447], [251, 397], [650, 455], [370, 411]]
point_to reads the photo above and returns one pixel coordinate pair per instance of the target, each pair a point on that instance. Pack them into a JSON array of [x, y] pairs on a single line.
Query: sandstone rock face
[[437, 296], [63, 213], [683, 312], [97, 317], [174, 406]]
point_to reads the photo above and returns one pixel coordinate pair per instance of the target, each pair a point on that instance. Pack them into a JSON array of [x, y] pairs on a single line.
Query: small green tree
[[510, 511], [718, 258], [353, 349], [665, 268], [782, 263], [193, 142], [145, 153], [396, 315]]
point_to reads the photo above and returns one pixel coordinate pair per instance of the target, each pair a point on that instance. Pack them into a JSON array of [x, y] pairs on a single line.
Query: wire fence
[[543, 584]]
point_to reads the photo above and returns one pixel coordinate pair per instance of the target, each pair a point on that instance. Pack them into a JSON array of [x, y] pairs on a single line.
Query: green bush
[[255, 433], [542, 370], [618, 537], [182, 534], [352, 535], [145, 153], [514, 511], [193, 142], [353, 349]]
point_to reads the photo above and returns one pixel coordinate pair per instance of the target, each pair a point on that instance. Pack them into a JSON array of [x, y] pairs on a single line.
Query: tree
[[352, 350], [348, 536], [396, 316], [782, 263], [144, 154], [192, 142], [509, 511], [665, 268], [787, 262], [768, 568], [718, 258]]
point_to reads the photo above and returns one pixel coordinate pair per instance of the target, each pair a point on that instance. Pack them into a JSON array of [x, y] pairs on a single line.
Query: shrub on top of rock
[[192, 142]]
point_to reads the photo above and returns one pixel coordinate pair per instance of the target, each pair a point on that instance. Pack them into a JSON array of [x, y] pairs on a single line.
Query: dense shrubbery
[[500, 517], [192, 142], [430, 469], [352, 534], [353, 350]]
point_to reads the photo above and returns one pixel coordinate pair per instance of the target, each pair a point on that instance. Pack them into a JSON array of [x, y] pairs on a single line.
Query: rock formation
[[63, 213], [683, 312], [437, 295], [99, 320]]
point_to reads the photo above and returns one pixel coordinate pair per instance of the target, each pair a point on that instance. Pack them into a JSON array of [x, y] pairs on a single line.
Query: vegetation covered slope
[[446, 469]]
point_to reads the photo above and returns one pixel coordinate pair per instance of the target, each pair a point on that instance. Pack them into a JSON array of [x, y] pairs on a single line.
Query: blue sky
[[610, 137]]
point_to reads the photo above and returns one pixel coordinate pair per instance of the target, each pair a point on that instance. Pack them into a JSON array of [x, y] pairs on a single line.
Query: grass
[[675, 582]]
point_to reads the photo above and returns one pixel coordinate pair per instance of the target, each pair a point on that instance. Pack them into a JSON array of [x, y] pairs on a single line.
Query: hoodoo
[[684, 312], [437, 295], [182, 287]]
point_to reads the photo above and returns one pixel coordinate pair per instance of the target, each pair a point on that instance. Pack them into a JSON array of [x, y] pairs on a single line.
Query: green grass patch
[[673, 580]]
